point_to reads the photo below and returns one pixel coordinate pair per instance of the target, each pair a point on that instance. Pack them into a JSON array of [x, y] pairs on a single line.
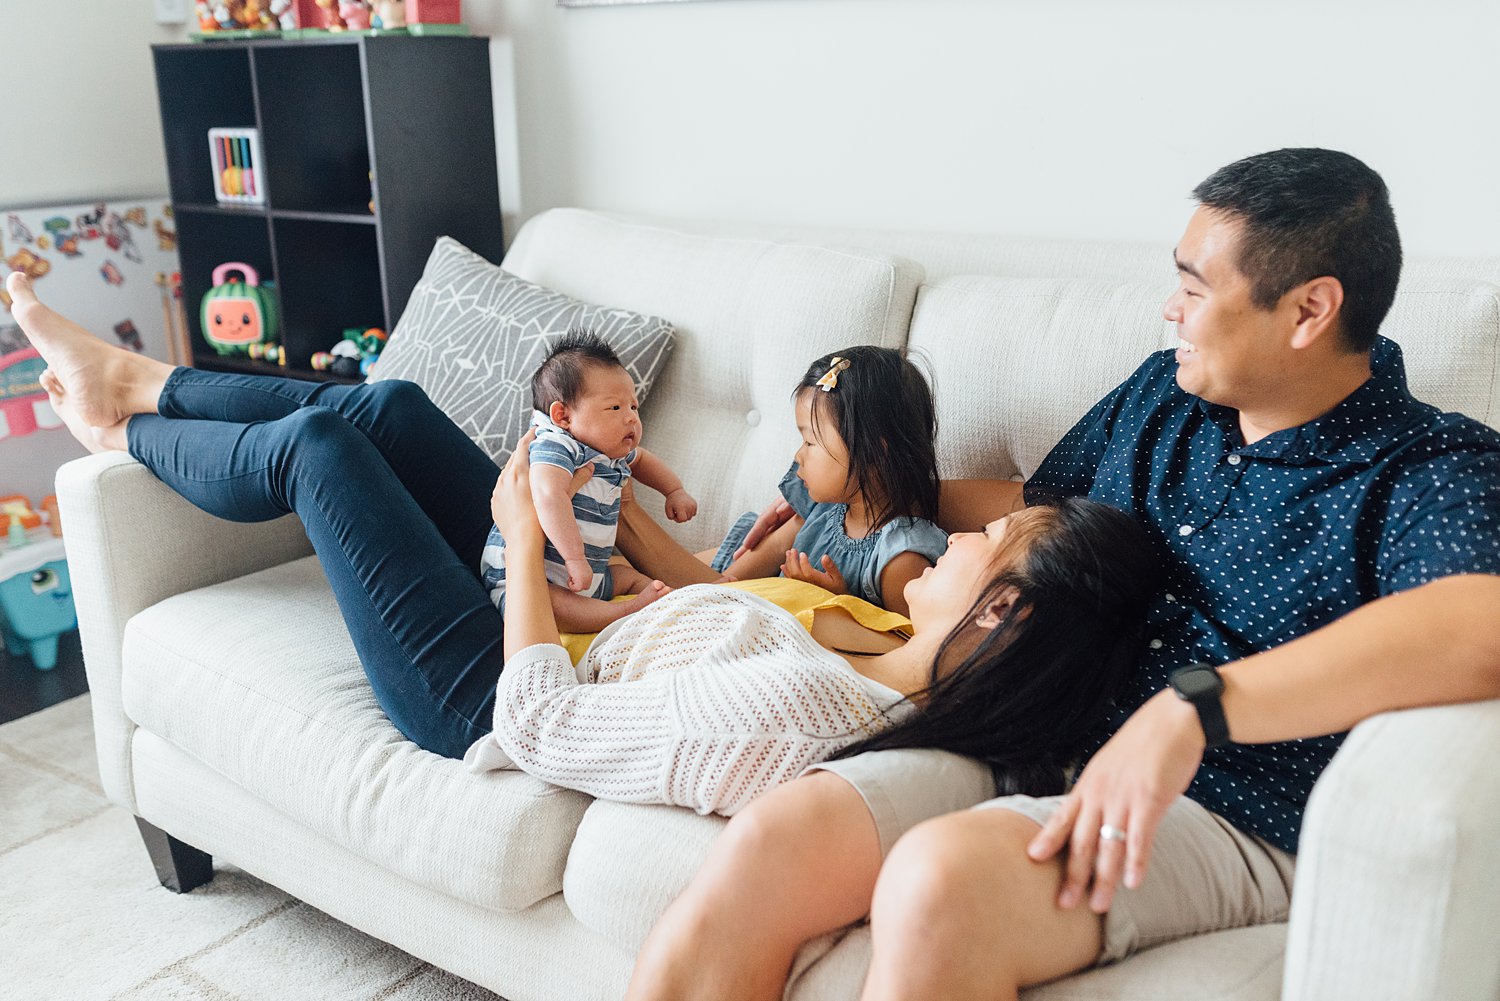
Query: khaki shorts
[[1205, 875]]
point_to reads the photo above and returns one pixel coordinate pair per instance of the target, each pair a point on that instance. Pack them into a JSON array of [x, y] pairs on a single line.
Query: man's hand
[[799, 567], [772, 518], [681, 506], [1128, 786]]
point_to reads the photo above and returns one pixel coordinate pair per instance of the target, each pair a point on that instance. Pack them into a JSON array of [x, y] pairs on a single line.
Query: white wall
[[80, 119], [1087, 118]]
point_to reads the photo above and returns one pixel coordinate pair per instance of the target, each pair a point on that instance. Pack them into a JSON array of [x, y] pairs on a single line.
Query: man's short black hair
[[561, 374], [1313, 213]]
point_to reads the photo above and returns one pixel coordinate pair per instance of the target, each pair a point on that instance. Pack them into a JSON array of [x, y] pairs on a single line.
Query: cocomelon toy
[[238, 313], [36, 594]]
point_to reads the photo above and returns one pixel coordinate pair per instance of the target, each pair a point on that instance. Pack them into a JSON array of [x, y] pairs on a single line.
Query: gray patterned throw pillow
[[472, 335]]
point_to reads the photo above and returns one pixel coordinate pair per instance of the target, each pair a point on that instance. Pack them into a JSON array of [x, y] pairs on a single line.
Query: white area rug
[[83, 917]]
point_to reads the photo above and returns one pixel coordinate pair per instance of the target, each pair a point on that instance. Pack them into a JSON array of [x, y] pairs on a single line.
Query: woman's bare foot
[[101, 384], [110, 439]]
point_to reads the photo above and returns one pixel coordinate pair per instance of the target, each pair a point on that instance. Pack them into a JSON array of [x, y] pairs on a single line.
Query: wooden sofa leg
[[180, 867]]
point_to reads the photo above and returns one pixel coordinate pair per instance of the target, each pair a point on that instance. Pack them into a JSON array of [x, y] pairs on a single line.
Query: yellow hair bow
[[830, 378]]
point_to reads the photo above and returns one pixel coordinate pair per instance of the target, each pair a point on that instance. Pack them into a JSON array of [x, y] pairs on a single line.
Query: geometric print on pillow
[[473, 334]]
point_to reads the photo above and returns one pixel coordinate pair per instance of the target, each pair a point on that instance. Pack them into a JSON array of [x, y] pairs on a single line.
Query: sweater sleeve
[[607, 740]]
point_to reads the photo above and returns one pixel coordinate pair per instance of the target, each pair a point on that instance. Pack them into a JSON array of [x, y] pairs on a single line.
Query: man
[[1319, 527]]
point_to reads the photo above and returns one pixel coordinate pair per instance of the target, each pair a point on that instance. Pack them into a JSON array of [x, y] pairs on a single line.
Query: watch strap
[[1207, 700]]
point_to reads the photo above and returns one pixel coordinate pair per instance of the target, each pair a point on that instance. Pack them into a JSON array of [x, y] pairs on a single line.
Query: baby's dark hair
[[560, 375], [883, 409]]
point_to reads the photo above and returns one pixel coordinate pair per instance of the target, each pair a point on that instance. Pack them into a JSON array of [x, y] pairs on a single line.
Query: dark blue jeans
[[396, 500]]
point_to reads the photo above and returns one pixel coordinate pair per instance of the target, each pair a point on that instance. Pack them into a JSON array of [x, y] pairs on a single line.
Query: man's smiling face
[[1230, 352]]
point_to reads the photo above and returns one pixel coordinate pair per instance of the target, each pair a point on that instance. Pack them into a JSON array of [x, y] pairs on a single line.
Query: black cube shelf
[[371, 148]]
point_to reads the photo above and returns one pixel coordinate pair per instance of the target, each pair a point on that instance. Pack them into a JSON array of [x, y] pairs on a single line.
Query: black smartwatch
[[1201, 685]]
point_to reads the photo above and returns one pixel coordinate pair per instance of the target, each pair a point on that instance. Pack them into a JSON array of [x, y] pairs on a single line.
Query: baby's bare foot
[[648, 594], [101, 384]]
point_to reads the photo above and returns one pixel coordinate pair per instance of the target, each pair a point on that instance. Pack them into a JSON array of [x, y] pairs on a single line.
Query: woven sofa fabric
[[750, 316], [278, 704], [539, 954], [1396, 896], [132, 542], [472, 335], [1447, 322], [1017, 361]]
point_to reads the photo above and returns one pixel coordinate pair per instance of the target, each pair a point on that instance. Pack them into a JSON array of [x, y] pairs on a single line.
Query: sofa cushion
[[1017, 361], [257, 678], [473, 334], [629, 861], [751, 315]]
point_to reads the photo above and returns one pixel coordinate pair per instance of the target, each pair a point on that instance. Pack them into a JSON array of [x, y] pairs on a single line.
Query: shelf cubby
[[371, 148]]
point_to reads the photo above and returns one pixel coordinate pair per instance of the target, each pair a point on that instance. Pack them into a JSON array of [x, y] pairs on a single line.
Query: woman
[[711, 697], [1024, 631]]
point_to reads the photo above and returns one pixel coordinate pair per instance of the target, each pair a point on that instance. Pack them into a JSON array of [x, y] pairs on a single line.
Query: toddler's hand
[[580, 575], [799, 567], [681, 506]]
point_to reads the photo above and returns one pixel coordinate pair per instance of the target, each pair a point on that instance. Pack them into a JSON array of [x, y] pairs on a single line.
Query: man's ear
[[1319, 304], [998, 608], [557, 413]]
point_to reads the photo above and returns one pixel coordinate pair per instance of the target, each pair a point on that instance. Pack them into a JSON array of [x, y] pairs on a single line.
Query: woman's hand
[[511, 505], [799, 567], [772, 518]]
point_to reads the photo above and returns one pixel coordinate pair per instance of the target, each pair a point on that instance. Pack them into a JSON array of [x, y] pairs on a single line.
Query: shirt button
[[1234, 460], [1171, 597], [1155, 644], [1184, 530], [753, 418]]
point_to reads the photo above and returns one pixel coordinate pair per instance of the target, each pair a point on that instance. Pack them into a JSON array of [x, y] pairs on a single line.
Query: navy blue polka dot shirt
[[1269, 541]]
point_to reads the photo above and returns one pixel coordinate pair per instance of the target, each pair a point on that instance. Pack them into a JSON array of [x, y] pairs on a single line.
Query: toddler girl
[[864, 486]]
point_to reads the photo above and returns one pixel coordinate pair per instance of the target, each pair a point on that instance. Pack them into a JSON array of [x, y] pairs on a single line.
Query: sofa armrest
[[1399, 865], [131, 542]]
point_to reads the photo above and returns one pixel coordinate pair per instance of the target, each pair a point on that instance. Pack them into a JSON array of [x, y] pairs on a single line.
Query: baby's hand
[[580, 575], [799, 567], [681, 506]]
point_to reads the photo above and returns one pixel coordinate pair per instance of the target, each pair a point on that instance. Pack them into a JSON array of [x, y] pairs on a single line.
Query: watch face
[[1194, 684]]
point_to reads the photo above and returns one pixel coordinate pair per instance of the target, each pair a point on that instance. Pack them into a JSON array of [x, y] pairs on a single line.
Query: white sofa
[[231, 711]]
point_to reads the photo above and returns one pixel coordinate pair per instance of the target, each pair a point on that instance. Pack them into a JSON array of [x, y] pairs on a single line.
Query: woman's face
[[823, 459], [942, 596]]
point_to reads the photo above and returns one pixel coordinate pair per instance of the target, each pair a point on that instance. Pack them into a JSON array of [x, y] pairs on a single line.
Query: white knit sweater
[[706, 698]]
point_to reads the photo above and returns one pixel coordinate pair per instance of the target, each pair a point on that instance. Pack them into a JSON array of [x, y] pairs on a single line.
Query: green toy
[[239, 313]]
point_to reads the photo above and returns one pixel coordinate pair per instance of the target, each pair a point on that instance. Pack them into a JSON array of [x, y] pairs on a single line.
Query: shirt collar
[[1353, 431]]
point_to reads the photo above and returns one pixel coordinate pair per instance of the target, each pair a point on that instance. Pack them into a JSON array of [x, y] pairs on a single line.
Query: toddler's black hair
[[560, 375], [883, 409]]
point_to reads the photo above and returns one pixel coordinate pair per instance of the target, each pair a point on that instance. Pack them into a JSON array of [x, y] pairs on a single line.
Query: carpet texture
[[83, 917]]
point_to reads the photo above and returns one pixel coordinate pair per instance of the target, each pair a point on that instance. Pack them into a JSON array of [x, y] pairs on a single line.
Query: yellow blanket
[[803, 600]]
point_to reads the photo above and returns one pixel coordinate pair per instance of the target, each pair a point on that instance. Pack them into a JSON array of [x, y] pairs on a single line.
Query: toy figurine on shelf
[[36, 595], [240, 312], [356, 14], [332, 19], [273, 353], [390, 15], [354, 355]]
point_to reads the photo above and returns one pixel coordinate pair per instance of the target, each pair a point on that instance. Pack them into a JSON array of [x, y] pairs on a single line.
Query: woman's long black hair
[[1028, 698], [883, 409]]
